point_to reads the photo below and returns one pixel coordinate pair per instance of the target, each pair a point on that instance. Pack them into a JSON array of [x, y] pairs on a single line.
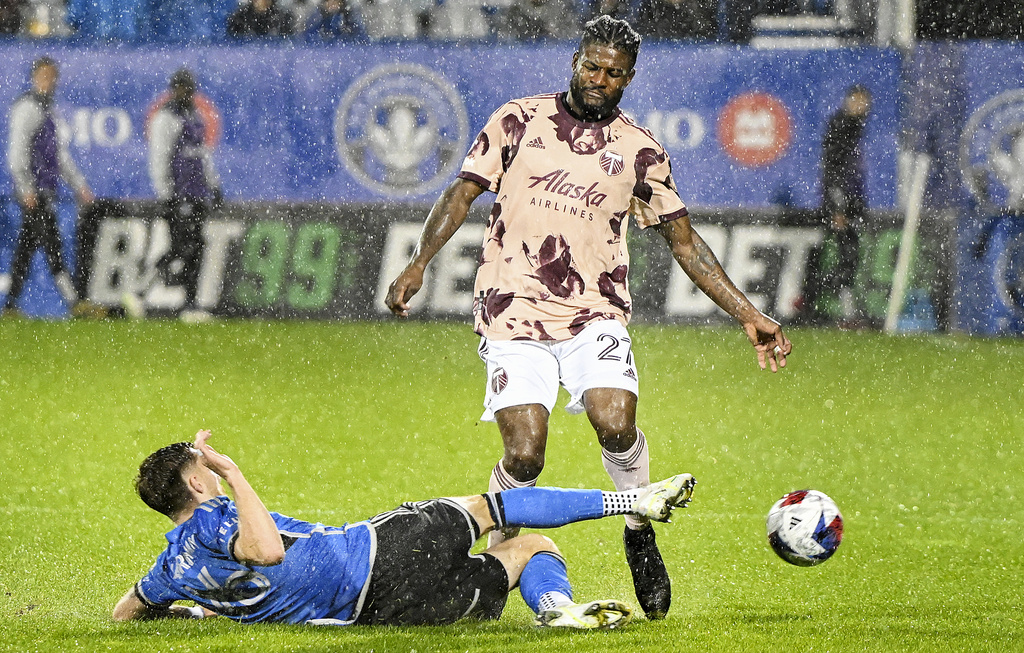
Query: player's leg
[[28, 241], [49, 237], [535, 564], [192, 249], [599, 371], [551, 507], [522, 386]]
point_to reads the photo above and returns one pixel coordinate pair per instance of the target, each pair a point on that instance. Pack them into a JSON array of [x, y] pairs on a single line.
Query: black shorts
[[424, 573]]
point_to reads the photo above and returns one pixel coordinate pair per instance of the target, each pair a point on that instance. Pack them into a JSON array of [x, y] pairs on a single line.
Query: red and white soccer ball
[[805, 528]]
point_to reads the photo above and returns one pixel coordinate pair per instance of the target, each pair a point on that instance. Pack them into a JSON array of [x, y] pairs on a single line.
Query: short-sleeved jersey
[[323, 578], [554, 256]]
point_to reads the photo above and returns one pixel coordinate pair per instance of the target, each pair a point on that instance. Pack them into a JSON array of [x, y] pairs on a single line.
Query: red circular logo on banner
[[755, 129]]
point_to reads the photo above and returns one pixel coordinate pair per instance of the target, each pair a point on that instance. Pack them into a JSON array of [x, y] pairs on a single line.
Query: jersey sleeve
[[655, 199], [217, 526], [495, 147], [157, 589]]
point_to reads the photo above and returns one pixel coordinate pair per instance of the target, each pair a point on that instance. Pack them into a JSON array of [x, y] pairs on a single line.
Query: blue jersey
[[323, 578]]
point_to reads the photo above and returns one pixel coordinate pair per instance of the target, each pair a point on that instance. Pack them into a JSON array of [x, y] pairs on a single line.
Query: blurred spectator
[[103, 20], [38, 159], [844, 193], [462, 19], [186, 182], [10, 16], [532, 20], [619, 9], [300, 12], [333, 20], [398, 19], [259, 18], [677, 19]]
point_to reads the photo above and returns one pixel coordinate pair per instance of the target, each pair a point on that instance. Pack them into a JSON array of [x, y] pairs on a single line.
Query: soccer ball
[[805, 528]]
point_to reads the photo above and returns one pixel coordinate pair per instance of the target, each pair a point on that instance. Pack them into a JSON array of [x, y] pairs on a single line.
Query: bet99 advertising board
[[278, 260], [392, 122]]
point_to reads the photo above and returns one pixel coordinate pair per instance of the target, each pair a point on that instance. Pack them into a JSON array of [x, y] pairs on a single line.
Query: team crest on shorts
[[611, 162], [499, 380]]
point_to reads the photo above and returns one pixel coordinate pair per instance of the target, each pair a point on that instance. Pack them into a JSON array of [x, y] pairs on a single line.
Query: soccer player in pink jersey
[[551, 297]]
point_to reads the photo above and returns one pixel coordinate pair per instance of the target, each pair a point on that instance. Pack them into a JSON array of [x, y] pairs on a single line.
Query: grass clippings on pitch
[[917, 438]]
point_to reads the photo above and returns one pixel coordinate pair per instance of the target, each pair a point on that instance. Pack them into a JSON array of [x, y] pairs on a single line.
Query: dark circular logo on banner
[[1009, 274], [401, 130], [755, 129], [992, 152], [611, 162]]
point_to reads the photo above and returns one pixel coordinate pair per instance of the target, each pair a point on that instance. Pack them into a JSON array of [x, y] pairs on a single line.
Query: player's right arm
[[446, 216], [258, 542], [26, 116], [131, 608]]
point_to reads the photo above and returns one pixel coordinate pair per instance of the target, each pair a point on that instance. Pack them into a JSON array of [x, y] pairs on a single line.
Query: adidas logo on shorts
[[536, 143], [630, 374]]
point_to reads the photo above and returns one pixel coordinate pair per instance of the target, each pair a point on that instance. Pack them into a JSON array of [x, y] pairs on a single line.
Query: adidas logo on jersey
[[536, 143]]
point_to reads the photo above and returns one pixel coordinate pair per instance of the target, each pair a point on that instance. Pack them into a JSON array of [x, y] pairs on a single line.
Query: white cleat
[[605, 615], [658, 500]]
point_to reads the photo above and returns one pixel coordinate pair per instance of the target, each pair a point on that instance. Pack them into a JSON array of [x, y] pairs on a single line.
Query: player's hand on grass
[[218, 462], [769, 341], [402, 289]]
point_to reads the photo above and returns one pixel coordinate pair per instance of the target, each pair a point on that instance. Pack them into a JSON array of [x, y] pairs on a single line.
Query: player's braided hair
[[161, 482], [618, 34]]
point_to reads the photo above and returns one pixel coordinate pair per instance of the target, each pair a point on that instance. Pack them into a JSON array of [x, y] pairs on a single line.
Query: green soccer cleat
[[604, 615], [658, 500]]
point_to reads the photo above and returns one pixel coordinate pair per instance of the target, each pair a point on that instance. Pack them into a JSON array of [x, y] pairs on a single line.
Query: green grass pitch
[[918, 439]]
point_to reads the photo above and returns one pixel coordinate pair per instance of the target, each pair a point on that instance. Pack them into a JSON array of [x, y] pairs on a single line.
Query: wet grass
[[918, 438]]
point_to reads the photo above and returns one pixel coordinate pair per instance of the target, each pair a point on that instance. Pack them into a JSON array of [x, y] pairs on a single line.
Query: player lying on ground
[[409, 566]]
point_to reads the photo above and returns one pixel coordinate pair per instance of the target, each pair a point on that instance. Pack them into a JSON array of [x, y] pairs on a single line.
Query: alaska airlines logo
[[401, 130], [992, 152], [557, 182]]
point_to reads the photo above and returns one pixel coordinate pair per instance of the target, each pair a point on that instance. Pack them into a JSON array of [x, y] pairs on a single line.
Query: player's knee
[[615, 432], [524, 465], [536, 543]]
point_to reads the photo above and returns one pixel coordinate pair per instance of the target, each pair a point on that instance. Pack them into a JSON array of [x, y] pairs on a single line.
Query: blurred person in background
[[536, 20], [181, 169], [258, 19], [844, 196], [333, 20], [677, 19], [38, 158], [11, 16]]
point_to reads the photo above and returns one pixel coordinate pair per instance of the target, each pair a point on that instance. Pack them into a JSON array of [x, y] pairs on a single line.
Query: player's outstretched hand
[[771, 343], [402, 289], [218, 462]]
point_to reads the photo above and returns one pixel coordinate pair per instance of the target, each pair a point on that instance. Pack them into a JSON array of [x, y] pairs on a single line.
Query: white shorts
[[523, 372]]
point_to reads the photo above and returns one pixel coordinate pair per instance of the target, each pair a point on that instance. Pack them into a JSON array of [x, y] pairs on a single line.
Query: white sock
[[629, 470], [619, 503], [552, 600], [501, 480], [66, 287]]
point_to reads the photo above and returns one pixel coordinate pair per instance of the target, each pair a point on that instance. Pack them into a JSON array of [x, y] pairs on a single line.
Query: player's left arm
[[131, 608], [702, 266]]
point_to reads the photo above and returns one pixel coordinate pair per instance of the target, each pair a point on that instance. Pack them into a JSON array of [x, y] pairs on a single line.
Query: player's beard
[[593, 112]]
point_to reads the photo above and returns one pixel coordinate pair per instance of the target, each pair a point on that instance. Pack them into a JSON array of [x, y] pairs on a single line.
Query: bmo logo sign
[[106, 127], [755, 129]]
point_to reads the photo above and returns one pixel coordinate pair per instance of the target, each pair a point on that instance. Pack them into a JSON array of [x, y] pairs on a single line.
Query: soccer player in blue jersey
[[409, 566]]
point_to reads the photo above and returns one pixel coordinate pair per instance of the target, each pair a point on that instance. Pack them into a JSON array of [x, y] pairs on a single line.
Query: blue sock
[[544, 572], [548, 507]]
